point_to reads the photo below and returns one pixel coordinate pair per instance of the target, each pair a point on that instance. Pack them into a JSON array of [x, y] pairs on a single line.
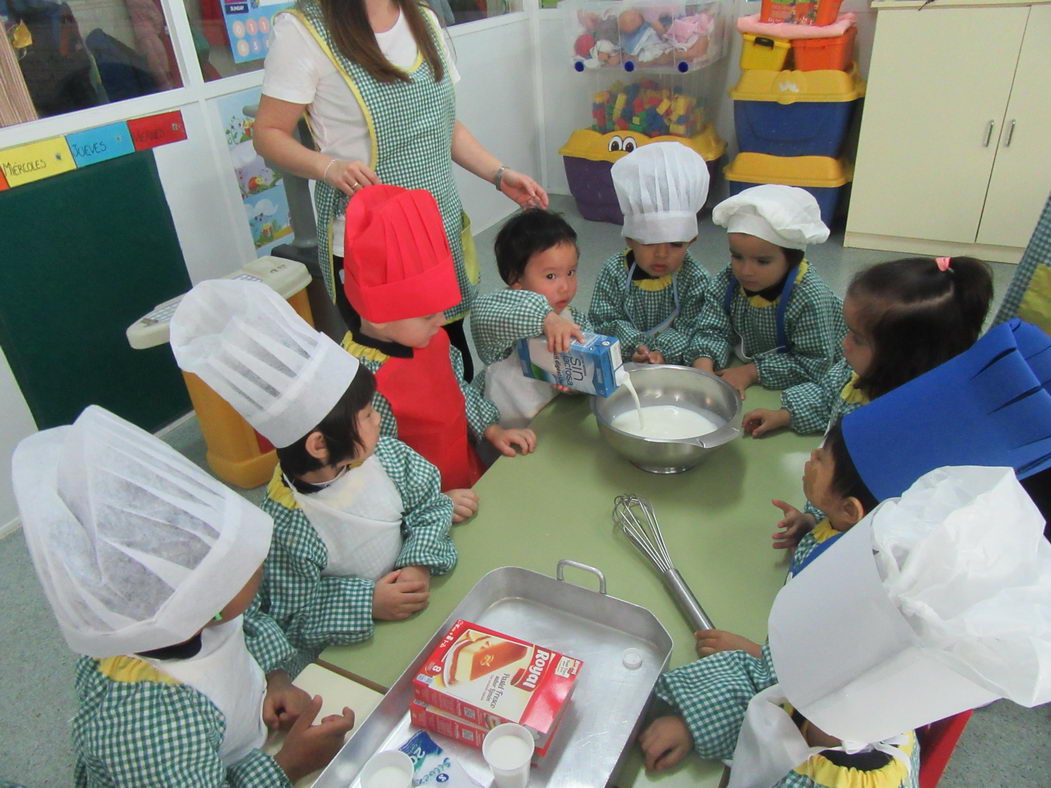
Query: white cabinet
[[955, 148]]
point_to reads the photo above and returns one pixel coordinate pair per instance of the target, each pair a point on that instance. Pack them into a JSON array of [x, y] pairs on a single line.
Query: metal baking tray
[[608, 701]]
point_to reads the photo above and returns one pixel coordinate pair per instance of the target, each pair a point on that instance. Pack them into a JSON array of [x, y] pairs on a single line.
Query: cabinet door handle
[[1010, 133], [989, 133]]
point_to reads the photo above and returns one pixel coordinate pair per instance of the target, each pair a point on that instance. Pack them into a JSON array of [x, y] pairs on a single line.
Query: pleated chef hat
[[990, 405], [786, 216], [661, 187], [935, 603], [247, 343], [136, 547], [397, 261]]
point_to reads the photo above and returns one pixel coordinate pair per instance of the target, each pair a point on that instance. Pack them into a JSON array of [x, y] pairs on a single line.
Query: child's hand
[[643, 355], [761, 421], [560, 332], [792, 526], [309, 747], [710, 641], [395, 599], [465, 504], [506, 440], [420, 573], [741, 377], [284, 702], [704, 364], [665, 742]]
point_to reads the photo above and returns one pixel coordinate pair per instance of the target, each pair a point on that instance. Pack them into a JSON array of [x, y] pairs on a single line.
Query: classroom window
[[233, 34], [58, 57]]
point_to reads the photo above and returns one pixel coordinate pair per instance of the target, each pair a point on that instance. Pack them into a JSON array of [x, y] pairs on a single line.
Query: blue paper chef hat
[[990, 405]]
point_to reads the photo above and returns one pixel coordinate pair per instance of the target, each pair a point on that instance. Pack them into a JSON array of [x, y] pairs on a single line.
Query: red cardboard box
[[442, 722], [486, 678]]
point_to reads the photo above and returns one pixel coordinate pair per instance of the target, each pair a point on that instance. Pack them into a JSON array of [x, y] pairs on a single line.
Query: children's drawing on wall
[[262, 189]]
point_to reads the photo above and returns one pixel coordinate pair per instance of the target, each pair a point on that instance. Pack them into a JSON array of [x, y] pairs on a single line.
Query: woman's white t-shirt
[[298, 71]]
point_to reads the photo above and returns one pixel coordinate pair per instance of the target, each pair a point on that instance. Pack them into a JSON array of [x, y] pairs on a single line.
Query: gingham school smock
[[815, 405], [813, 324], [138, 726], [501, 318], [627, 312], [315, 611]]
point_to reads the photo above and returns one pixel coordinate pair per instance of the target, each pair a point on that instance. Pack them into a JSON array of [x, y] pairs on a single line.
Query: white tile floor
[[1004, 745]]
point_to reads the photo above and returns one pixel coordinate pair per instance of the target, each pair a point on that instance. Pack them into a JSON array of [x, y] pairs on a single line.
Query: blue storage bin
[[824, 177], [795, 113]]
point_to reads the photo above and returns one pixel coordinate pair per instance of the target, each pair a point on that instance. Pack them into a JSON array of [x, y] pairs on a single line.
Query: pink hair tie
[[943, 263]]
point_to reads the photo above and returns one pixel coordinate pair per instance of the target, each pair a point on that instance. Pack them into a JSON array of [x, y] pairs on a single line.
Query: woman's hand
[[349, 176], [523, 189]]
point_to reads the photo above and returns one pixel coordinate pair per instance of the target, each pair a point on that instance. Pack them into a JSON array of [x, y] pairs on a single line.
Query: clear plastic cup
[[508, 749], [387, 769]]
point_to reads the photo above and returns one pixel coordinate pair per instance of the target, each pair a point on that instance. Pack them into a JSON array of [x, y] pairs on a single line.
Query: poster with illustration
[[248, 24], [262, 189]]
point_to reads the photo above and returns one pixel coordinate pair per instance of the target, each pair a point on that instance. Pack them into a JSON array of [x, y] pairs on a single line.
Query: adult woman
[[377, 84]]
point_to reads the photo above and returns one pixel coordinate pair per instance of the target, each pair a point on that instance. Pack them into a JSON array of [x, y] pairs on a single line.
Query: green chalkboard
[[82, 256]]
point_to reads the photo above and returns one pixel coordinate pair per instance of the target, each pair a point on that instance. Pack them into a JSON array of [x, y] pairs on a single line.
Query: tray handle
[[564, 562]]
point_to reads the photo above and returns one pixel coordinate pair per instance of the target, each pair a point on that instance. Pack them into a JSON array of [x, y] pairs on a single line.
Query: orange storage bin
[[806, 12], [825, 54]]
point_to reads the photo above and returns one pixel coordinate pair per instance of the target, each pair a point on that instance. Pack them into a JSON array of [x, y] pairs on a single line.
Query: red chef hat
[[397, 263]]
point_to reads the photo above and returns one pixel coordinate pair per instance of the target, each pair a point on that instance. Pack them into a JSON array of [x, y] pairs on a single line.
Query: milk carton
[[593, 366]]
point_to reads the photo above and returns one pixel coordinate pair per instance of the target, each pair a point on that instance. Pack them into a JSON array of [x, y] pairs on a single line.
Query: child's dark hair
[[793, 256], [846, 481], [918, 316], [339, 429], [526, 234]]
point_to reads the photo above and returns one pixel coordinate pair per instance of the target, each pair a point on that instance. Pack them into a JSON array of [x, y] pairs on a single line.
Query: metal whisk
[[634, 516]]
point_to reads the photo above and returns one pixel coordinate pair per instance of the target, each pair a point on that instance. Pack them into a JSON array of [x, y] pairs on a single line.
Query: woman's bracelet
[[324, 175], [498, 176]]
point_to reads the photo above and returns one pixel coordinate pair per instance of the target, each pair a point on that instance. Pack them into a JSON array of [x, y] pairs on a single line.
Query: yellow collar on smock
[[851, 394], [129, 670], [759, 301], [649, 284]]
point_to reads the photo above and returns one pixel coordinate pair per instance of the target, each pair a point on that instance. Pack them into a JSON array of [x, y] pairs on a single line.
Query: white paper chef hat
[[783, 215], [661, 187], [136, 547], [247, 343], [935, 603]]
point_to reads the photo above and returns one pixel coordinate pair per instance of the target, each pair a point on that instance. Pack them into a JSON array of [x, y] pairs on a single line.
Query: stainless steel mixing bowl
[[666, 384]]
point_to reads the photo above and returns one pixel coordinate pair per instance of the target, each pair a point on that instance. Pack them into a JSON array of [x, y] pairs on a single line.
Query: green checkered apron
[[410, 127]]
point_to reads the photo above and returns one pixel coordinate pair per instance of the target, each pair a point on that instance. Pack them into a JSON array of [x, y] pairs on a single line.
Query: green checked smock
[[1029, 295], [316, 611], [501, 318], [813, 325], [712, 695], [410, 130], [629, 311], [816, 405], [138, 726]]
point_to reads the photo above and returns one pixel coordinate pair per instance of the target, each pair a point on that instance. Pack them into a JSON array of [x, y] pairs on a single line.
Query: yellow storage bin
[[822, 176], [764, 52], [789, 87]]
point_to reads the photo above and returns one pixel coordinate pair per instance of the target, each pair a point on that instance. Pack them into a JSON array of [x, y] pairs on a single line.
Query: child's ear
[[853, 511], [317, 447], [515, 285]]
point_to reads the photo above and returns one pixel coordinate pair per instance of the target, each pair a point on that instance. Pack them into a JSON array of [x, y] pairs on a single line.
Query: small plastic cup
[[387, 769], [508, 749]]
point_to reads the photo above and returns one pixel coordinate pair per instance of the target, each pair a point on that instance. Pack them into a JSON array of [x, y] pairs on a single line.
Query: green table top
[[556, 503]]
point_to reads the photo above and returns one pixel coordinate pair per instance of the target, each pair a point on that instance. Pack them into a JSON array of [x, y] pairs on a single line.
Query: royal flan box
[[486, 678], [435, 720], [593, 366]]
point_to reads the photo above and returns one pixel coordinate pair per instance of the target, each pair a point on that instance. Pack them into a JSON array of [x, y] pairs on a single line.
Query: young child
[[536, 254], [360, 524], [903, 318], [894, 633], [650, 295], [1000, 388], [150, 566], [399, 279], [768, 306]]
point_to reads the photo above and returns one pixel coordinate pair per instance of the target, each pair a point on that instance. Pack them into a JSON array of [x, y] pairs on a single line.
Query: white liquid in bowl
[[668, 422]]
